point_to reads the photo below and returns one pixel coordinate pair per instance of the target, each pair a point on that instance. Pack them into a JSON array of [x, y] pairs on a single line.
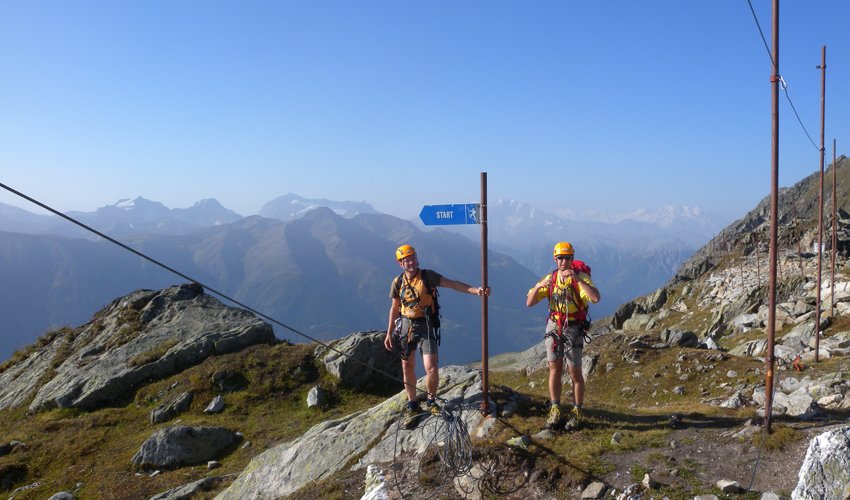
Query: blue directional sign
[[445, 215]]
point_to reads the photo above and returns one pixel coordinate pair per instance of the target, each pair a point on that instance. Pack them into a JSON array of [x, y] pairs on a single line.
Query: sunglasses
[[565, 257]]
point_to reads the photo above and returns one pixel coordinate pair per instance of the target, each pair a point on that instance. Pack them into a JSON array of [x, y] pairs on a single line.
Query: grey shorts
[[569, 346], [427, 343]]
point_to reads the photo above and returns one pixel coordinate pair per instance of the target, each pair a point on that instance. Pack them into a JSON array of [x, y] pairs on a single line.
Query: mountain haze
[[629, 258], [300, 254], [291, 206], [322, 274]]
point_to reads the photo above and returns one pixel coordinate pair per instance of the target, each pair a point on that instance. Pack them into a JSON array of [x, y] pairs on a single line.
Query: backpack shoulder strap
[[577, 296], [553, 281], [431, 291], [398, 282]]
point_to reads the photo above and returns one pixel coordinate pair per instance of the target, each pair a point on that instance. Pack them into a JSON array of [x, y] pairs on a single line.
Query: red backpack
[[581, 314]]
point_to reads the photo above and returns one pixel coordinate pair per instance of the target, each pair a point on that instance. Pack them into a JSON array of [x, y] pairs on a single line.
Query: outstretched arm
[[463, 287]]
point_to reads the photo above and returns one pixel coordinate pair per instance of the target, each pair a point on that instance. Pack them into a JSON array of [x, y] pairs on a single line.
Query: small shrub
[[776, 440], [637, 472]]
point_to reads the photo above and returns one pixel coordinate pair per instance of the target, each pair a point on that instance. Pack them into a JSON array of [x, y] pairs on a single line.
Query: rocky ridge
[[136, 339]]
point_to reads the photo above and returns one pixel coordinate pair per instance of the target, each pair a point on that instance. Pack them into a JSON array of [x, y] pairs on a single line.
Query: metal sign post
[[469, 213], [485, 371]]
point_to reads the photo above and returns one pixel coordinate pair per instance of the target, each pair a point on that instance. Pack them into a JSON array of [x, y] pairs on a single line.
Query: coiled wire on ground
[[449, 437]]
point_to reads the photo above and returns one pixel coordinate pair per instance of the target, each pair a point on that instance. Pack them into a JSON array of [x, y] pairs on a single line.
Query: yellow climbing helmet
[[563, 248], [404, 251]]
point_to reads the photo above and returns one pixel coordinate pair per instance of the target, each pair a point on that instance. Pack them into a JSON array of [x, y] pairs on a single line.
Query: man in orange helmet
[[569, 290], [413, 321]]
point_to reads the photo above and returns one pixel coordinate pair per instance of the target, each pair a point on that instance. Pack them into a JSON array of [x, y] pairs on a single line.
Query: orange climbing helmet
[[404, 251], [563, 248]]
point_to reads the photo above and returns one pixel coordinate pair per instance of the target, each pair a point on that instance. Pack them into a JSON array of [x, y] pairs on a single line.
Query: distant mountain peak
[[207, 202], [137, 204], [666, 215], [292, 206]]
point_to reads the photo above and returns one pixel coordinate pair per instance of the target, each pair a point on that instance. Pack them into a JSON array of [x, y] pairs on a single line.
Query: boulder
[[215, 406], [368, 437], [62, 495], [637, 322], [178, 446], [745, 321], [825, 472], [752, 348], [656, 300], [726, 486], [376, 486], [228, 380], [193, 489], [679, 338], [594, 491], [798, 338], [316, 397], [10, 475], [166, 412], [364, 353]]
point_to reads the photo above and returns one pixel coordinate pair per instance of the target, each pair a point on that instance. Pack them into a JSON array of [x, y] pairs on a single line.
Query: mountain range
[[629, 257], [320, 265]]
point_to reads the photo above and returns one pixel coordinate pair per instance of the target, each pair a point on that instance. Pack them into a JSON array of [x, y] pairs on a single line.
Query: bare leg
[[556, 370], [408, 368], [578, 384], [432, 373]]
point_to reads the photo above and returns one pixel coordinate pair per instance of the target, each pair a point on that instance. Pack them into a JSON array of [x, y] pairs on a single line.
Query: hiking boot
[[554, 419], [574, 423], [412, 414], [433, 407]]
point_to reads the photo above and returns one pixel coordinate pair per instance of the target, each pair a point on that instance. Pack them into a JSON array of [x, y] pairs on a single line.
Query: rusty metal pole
[[774, 210], [822, 69], [832, 254], [799, 249], [758, 262], [485, 378]]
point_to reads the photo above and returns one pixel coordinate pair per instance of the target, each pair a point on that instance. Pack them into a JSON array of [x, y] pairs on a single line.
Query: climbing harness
[[408, 340]]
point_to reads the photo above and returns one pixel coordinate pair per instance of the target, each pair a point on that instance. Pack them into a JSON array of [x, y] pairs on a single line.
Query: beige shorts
[[568, 346], [427, 343]]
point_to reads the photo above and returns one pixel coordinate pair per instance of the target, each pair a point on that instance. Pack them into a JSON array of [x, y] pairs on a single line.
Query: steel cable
[[456, 453], [207, 287]]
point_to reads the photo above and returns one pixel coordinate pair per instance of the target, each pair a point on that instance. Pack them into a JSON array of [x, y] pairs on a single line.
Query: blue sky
[[569, 106]]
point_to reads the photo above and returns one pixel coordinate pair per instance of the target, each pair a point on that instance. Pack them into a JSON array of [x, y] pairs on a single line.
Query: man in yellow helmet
[[413, 320], [569, 290]]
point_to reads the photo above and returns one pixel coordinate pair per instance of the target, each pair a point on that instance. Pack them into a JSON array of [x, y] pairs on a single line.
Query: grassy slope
[[66, 447]]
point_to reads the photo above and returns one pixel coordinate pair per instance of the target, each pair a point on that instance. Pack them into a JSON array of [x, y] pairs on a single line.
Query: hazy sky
[[567, 105]]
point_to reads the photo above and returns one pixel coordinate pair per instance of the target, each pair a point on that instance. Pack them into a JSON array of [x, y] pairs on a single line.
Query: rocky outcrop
[[167, 411], [177, 446], [146, 335], [826, 469], [360, 360], [368, 436], [193, 489]]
